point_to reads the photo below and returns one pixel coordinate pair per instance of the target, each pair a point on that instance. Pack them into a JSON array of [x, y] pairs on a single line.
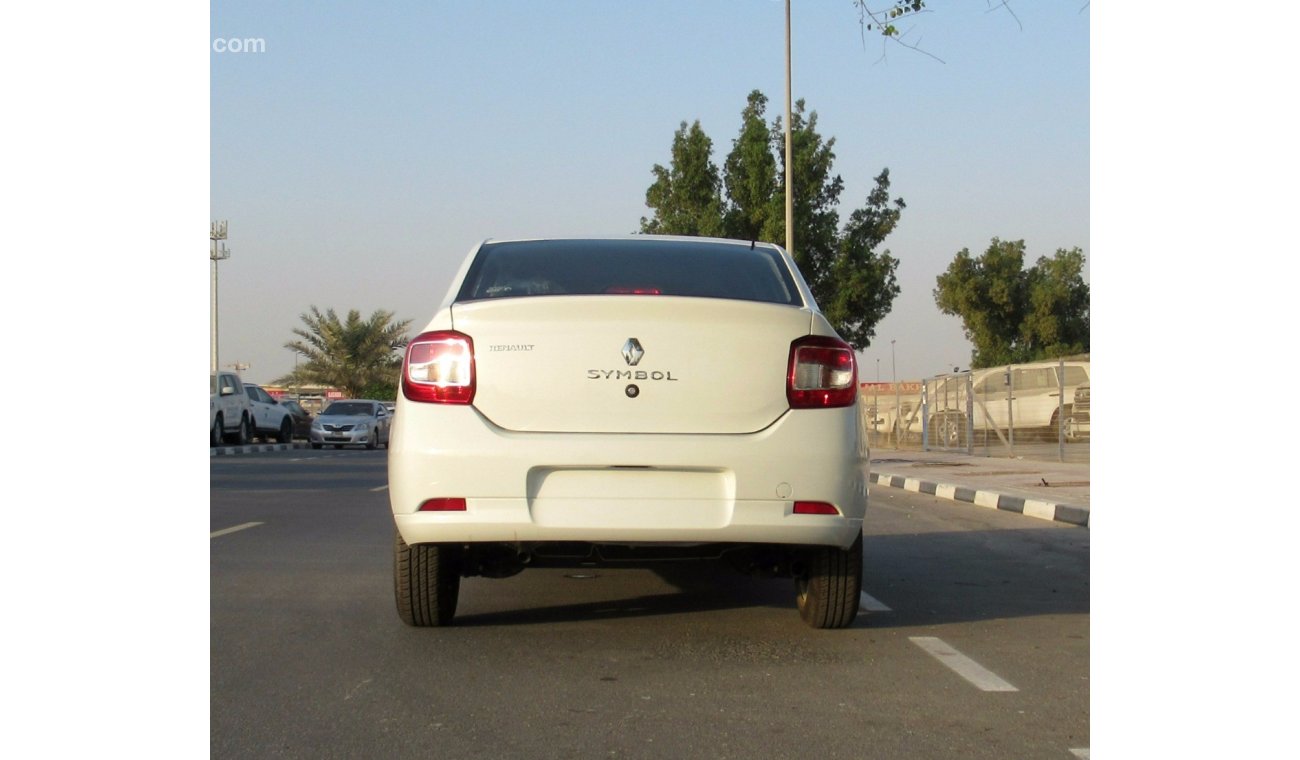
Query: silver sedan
[[358, 422]]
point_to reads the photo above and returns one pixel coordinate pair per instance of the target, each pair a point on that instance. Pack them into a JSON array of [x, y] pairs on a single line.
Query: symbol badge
[[632, 351]]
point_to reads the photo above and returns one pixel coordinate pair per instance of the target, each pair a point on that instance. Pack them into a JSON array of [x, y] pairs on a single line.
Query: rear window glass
[[701, 269]]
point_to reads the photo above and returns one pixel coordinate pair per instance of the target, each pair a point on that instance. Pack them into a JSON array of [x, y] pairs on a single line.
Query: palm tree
[[359, 357]]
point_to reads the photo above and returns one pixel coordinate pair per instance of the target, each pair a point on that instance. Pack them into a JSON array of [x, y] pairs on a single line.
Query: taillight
[[814, 508], [439, 368], [443, 505], [626, 290], [823, 374]]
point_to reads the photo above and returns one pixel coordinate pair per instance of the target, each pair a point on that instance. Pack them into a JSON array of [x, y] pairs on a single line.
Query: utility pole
[[898, 396], [219, 252], [789, 179]]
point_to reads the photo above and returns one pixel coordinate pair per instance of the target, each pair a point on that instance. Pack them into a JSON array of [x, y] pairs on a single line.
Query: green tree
[[853, 284], [816, 197], [1014, 315], [357, 356], [750, 174], [687, 196], [860, 285]]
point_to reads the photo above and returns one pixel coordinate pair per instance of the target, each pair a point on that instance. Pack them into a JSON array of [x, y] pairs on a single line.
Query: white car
[[1025, 398], [270, 419], [230, 412], [628, 400]]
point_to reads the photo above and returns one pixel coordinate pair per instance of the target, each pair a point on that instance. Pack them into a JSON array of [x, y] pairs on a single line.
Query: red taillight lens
[[439, 368], [814, 508], [823, 374], [625, 290], [443, 505]]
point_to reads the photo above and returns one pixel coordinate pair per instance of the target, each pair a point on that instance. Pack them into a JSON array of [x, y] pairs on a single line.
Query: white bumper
[[624, 488]]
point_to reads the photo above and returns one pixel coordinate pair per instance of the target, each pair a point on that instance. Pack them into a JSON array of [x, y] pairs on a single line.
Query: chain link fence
[[1035, 411]]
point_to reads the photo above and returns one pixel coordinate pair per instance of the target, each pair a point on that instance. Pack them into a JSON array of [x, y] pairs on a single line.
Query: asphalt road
[[977, 645]]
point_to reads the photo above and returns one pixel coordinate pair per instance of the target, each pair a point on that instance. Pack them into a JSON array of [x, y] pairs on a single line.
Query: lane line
[[381, 488], [226, 531], [982, 678], [1080, 753], [869, 603]]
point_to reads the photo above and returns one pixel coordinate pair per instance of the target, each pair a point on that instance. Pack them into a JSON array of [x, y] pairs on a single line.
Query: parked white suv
[[1023, 397], [628, 400], [269, 418], [230, 413]]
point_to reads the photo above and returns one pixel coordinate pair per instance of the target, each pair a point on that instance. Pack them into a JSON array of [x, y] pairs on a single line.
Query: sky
[[359, 151]]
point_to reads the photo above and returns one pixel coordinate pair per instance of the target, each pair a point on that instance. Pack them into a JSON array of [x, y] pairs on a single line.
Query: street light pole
[[898, 396], [789, 179], [219, 252]]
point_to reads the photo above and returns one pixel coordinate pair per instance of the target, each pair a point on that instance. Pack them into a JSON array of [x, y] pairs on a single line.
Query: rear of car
[[628, 400]]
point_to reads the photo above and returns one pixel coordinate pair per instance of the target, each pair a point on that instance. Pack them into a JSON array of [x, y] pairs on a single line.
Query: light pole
[[219, 252], [789, 183], [898, 397]]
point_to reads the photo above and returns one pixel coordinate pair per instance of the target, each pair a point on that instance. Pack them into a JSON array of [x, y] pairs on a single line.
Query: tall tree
[[357, 356], [1011, 314], [750, 174], [860, 284], [687, 196], [816, 197], [853, 284]]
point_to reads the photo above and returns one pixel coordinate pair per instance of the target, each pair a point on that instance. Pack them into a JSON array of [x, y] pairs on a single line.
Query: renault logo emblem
[[632, 351]]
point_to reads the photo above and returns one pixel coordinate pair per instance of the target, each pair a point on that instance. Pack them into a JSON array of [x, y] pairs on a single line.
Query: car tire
[[829, 591], [426, 582], [373, 442], [216, 434], [243, 434], [286, 431], [316, 445]]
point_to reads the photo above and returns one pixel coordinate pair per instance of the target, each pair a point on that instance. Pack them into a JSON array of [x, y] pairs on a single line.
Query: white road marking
[[381, 488], [869, 603], [225, 531], [1080, 753], [983, 679]]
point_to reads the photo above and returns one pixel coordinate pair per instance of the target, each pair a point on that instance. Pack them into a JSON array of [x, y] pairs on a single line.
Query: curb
[[1044, 510], [255, 448]]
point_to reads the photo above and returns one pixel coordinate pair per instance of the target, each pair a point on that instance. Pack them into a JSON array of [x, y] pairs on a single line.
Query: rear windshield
[[701, 269]]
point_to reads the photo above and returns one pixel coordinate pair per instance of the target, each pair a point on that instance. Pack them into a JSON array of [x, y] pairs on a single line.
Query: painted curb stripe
[[1044, 510]]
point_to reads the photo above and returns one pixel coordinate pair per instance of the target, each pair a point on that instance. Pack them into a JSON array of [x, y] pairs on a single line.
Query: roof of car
[[637, 240]]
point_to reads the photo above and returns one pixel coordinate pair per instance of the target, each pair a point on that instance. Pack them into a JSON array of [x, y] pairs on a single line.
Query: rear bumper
[[627, 488]]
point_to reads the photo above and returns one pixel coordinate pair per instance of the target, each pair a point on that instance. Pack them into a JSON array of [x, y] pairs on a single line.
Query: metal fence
[[1035, 411]]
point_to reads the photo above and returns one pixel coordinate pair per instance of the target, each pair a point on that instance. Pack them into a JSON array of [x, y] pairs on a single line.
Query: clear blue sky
[[362, 153]]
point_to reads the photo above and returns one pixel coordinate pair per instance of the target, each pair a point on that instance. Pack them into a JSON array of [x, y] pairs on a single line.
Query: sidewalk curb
[[253, 448], [1044, 510]]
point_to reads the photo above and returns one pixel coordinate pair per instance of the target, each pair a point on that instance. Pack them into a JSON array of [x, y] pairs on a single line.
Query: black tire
[[829, 592], [217, 433], [244, 434], [316, 445], [426, 582], [373, 441], [286, 431]]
